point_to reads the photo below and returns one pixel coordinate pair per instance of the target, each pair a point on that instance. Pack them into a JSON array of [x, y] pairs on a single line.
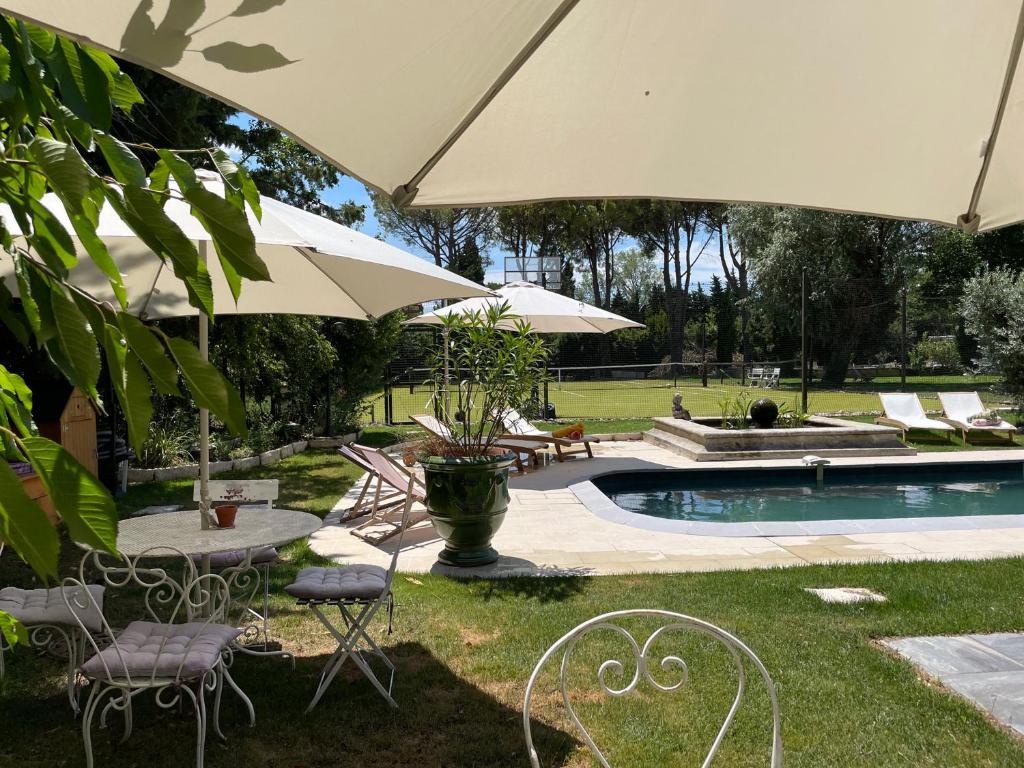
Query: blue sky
[[351, 189]]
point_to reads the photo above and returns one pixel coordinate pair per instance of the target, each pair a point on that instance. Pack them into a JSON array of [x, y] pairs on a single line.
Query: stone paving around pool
[[549, 531], [988, 670]]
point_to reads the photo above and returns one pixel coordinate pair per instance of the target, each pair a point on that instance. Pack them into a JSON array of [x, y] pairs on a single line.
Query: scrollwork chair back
[[740, 654]]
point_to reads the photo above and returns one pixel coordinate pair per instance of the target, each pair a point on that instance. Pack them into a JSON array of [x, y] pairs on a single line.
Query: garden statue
[[677, 407], [764, 412]]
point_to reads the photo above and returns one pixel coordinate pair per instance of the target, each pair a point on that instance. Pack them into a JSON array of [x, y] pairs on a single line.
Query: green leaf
[[147, 219], [146, 345], [209, 389], [81, 500], [183, 173], [158, 177], [122, 161], [17, 400], [77, 343], [138, 404], [12, 630], [64, 168], [122, 90], [84, 86], [43, 39], [14, 322], [48, 226], [24, 525], [74, 125], [250, 193], [232, 237], [97, 250]]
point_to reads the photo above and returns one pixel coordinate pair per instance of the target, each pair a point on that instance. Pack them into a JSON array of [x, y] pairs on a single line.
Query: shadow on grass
[[442, 720], [550, 589]]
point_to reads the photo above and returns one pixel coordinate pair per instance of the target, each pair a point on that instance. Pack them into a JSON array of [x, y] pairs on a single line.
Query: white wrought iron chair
[[180, 651], [756, 376], [669, 622], [52, 627], [246, 571], [359, 592]]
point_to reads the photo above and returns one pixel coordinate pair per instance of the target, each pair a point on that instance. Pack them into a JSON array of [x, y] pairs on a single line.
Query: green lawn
[[464, 650], [653, 397]]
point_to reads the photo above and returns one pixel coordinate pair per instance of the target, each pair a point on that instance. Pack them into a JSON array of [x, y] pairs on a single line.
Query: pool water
[[848, 493]]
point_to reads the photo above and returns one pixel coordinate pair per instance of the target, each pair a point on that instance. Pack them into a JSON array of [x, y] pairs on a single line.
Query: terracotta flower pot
[[226, 515]]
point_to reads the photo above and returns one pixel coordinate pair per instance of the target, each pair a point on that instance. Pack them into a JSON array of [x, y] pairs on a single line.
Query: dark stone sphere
[[764, 412]]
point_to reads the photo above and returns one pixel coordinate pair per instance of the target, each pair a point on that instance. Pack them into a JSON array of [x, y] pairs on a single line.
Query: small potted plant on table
[[490, 364]]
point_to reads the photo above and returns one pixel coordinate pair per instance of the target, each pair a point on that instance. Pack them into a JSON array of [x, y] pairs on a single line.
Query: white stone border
[[599, 504], [267, 458]]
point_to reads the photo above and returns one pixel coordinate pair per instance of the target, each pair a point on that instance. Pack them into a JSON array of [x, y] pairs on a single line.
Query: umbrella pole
[[447, 375], [204, 419]]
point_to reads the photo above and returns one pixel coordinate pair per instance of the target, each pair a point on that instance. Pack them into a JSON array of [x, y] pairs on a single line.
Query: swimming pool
[[758, 500]]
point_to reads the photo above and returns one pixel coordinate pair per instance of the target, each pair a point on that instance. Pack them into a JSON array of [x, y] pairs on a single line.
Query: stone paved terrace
[[549, 531]]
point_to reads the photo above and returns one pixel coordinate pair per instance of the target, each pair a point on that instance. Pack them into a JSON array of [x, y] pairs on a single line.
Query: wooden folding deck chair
[[402, 481], [382, 497]]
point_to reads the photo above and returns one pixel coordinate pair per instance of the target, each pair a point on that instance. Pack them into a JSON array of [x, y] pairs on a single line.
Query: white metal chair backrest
[[196, 599], [960, 406], [669, 622], [902, 406], [241, 491]]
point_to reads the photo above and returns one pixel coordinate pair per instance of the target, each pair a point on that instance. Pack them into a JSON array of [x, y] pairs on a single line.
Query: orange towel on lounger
[[573, 431]]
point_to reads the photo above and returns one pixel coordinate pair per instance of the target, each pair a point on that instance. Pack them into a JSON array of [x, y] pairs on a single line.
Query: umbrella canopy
[[908, 109], [317, 267], [546, 312]]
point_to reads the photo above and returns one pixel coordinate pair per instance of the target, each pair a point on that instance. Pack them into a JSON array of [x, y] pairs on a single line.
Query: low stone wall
[[266, 458]]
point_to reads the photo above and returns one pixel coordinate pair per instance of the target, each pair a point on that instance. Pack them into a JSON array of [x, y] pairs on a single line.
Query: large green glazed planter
[[467, 499]]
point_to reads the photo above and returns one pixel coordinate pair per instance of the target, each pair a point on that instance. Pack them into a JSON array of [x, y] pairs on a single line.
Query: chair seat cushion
[[47, 606], [235, 557], [160, 650], [352, 582]]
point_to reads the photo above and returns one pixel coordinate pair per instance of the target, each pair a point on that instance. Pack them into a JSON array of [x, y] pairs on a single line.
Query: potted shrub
[[489, 366]]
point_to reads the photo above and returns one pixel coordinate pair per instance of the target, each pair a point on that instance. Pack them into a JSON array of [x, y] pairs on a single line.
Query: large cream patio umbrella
[[912, 109], [317, 267]]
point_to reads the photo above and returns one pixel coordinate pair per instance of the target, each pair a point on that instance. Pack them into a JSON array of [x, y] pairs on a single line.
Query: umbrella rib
[[149, 294], [406, 193], [307, 252], [970, 221]]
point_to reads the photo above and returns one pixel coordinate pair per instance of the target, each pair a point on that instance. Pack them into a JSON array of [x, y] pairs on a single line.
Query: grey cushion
[[148, 648], [46, 606], [359, 582], [235, 557]]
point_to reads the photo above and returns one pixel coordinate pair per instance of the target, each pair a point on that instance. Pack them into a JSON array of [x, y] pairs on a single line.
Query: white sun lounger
[[959, 407], [521, 429], [904, 411]]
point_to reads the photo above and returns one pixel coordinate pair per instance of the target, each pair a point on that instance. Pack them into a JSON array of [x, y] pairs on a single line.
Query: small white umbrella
[[545, 311], [912, 109], [317, 267]]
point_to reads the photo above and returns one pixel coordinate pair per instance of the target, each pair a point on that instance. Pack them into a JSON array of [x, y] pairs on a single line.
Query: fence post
[[903, 335], [388, 405], [803, 340]]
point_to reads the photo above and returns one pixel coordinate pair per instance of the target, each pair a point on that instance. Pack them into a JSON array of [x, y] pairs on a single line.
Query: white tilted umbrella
[[912, 109], [317, 267], [545, 311]]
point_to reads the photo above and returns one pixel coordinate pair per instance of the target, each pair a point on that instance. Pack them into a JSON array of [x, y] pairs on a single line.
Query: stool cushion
[[46, 606], [235, 557], [151, 649], [359, 582]]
